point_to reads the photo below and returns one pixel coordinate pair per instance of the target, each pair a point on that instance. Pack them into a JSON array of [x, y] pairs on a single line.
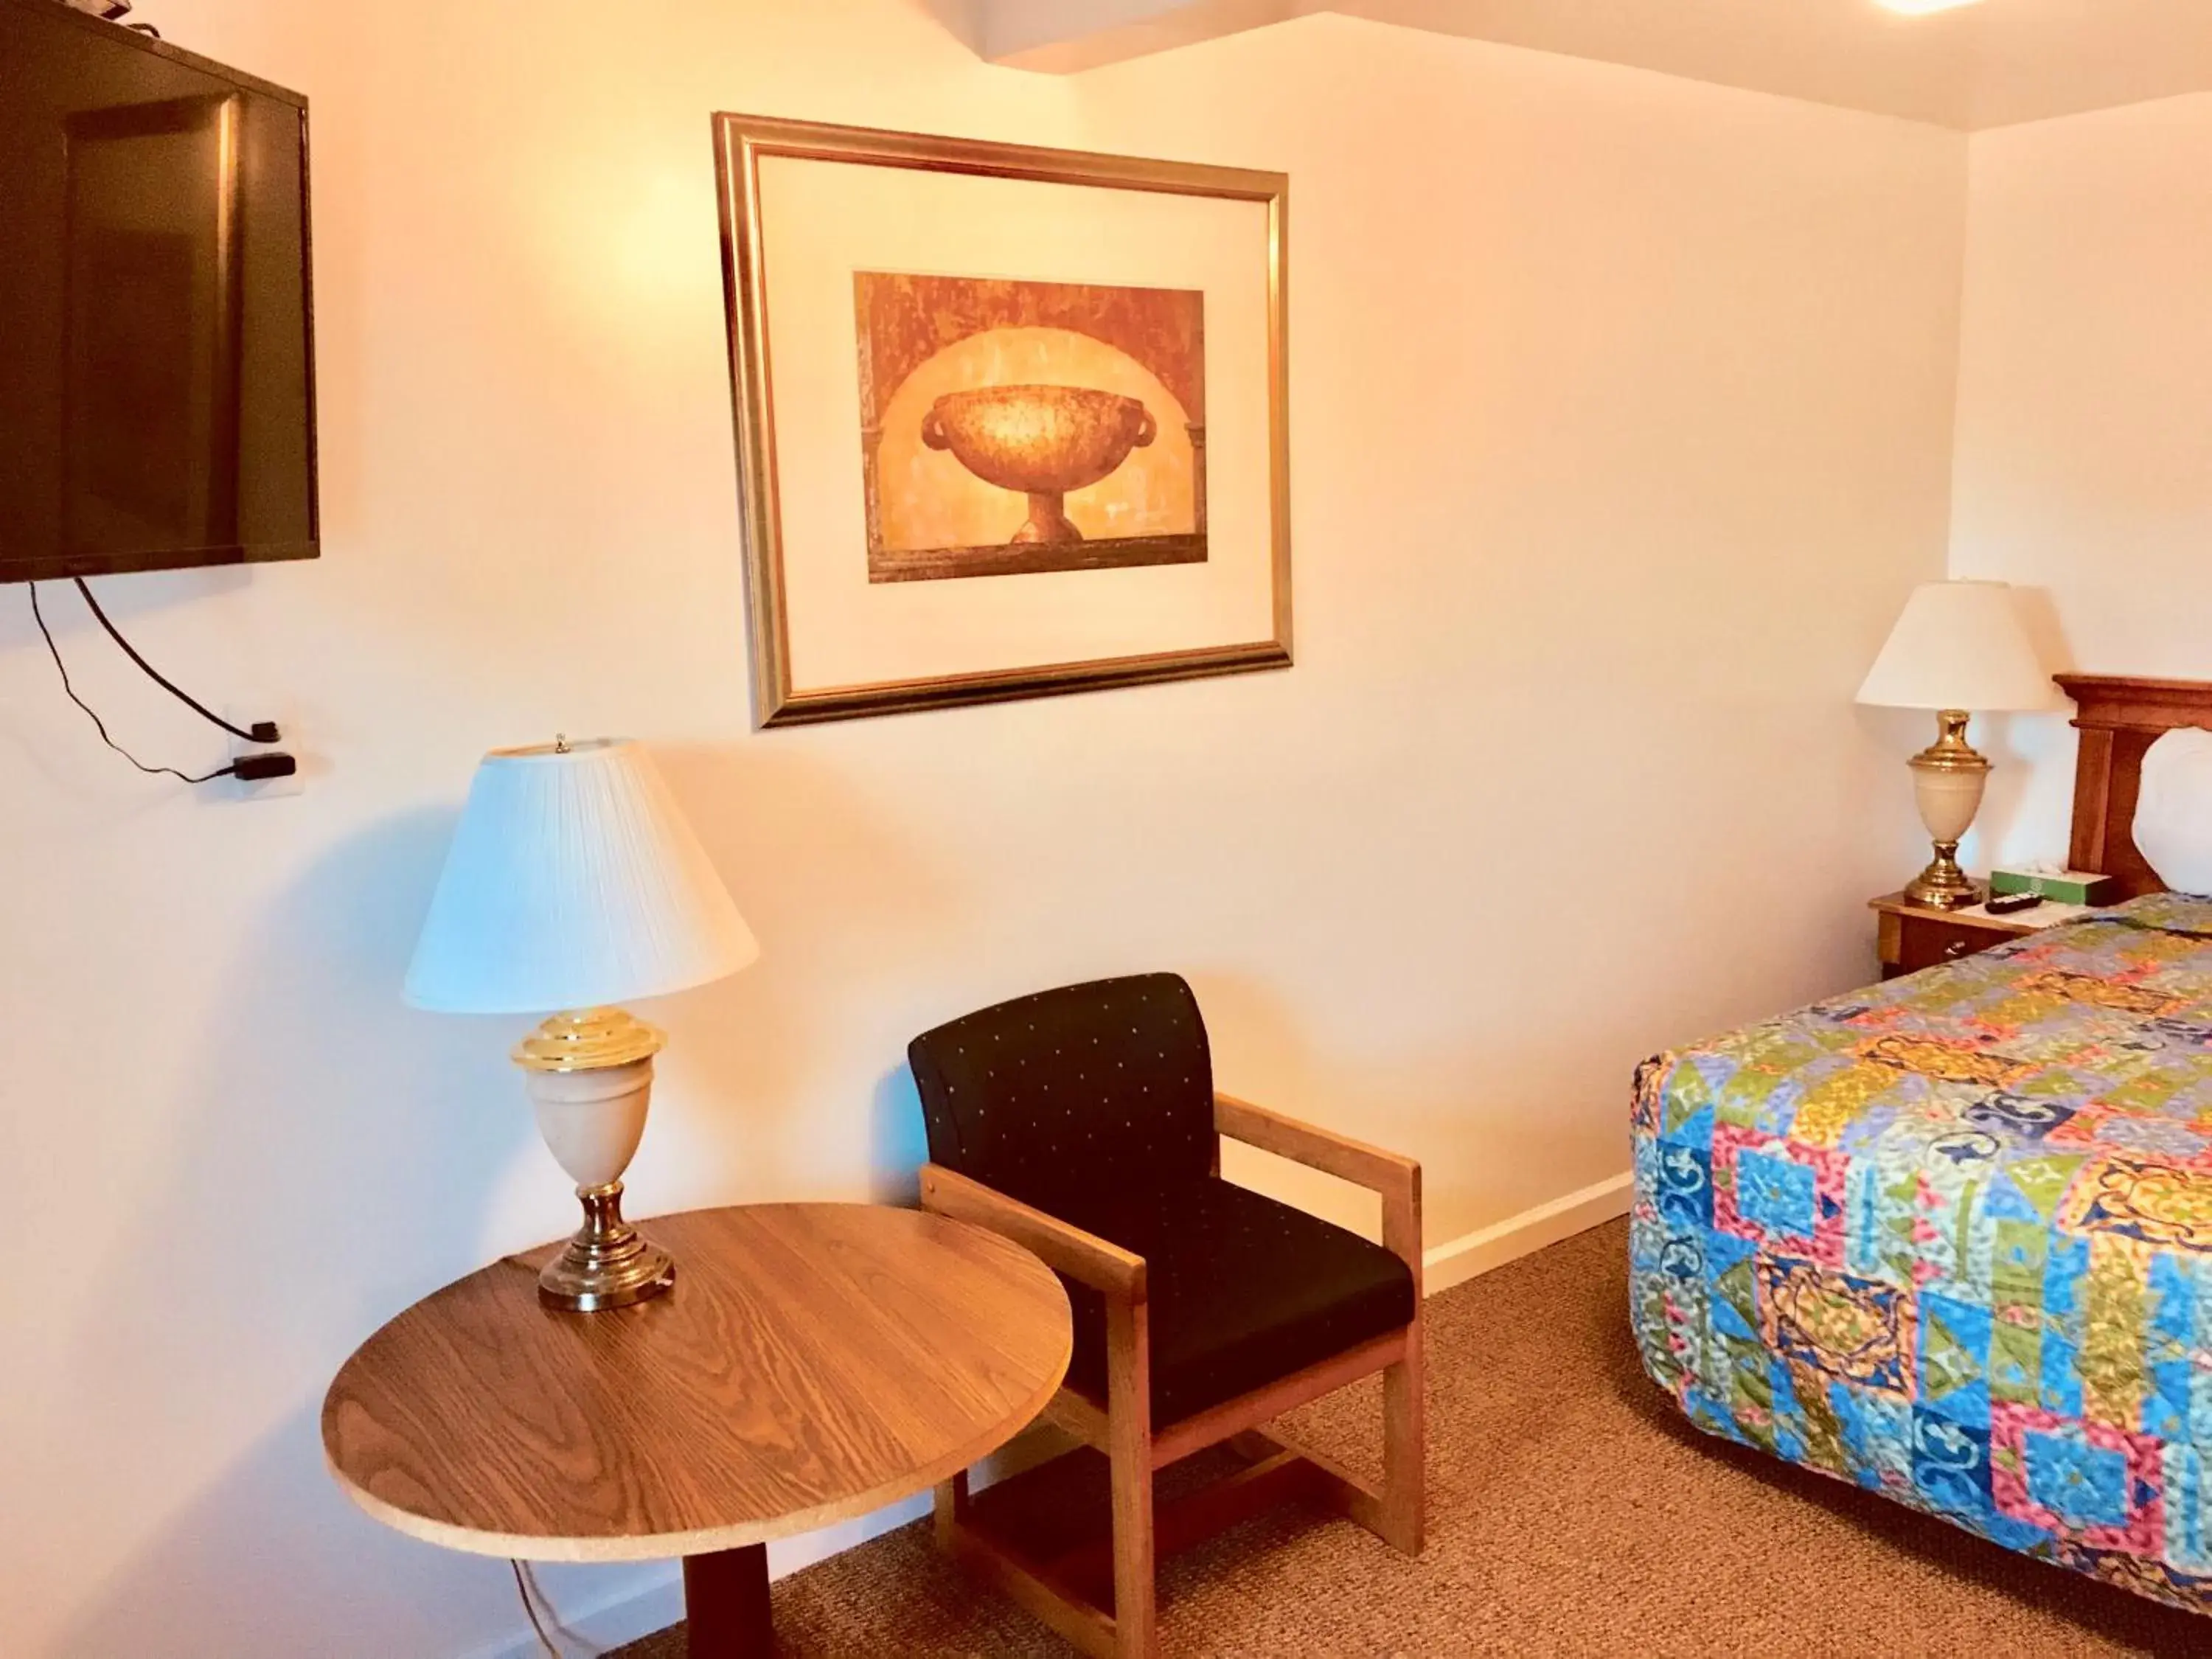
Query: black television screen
[[157, 355]]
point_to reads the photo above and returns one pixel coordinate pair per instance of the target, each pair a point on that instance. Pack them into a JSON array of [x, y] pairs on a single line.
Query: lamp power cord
[[524, 1582]]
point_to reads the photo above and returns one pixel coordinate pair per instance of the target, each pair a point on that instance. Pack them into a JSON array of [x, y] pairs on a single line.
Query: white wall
[[1620, 417], [2084, 465]]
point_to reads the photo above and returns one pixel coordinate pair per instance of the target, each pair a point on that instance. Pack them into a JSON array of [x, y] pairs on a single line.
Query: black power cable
[[263, 732], [99, 725], [249, 768], [530, 1607]]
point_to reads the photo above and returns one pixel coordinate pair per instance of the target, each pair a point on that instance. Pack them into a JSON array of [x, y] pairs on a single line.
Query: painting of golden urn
[[1015, 428], [1042, 441]]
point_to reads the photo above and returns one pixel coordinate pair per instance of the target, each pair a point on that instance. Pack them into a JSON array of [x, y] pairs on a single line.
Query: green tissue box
[[2067, 886]]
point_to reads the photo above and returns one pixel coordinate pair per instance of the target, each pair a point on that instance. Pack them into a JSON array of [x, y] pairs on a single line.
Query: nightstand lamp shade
[[1959, 648], [1959, 645], [573, 882]]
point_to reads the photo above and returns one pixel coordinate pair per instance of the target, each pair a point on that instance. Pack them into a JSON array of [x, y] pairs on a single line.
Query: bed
[[1950, 1238]]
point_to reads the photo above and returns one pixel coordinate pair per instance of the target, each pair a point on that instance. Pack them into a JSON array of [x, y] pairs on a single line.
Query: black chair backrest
[[1073, 1096]]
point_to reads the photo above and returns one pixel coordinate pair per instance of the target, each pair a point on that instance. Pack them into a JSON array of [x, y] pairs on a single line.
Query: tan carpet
[[1571, 1512]]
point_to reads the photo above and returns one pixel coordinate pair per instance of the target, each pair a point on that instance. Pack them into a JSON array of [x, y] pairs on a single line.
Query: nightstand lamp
[[573, 882], [1959, 649]]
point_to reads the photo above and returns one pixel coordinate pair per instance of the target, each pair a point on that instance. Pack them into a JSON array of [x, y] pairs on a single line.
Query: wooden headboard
[[2118, 718]]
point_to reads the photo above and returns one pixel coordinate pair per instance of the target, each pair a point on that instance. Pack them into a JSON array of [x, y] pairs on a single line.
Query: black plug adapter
[[263, 732], [259, 768]]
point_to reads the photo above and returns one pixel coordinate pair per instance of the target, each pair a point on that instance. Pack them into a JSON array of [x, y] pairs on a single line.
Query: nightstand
[[1911, 936]]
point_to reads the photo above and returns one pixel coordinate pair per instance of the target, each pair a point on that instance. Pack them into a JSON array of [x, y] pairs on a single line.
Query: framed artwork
[[1011, 421]]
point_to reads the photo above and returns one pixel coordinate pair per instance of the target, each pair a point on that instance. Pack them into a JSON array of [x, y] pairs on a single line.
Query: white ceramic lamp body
[[573, 882], [592, 1120], [1948, 800]]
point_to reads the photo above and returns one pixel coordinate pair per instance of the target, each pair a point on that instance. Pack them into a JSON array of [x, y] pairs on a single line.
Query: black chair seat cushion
[[1243, 1292]]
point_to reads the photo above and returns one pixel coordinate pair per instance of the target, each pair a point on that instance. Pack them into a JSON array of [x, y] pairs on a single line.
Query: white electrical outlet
[[288, 742]]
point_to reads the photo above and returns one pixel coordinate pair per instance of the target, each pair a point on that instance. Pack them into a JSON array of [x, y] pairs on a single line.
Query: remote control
[[2008, 904]]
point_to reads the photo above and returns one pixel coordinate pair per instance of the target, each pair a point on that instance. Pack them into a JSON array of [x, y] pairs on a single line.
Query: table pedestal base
[[726, 1604]]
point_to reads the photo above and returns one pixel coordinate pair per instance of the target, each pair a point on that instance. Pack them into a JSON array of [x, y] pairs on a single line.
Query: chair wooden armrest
[[1085, 1257], [1397, 1178], [1380, 1171]]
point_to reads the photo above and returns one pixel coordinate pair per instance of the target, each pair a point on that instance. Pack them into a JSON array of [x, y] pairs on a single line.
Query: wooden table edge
[[700, 1541], [1896, 904]]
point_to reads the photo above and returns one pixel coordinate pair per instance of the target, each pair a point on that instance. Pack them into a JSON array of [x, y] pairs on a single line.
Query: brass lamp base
[[1944, 885], [607, 1264]]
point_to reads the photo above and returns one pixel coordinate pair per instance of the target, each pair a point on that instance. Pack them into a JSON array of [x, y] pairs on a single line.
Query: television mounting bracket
[[110, 11]]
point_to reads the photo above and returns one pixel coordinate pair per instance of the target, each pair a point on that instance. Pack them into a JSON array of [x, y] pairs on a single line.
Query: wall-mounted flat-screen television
[[156, 356]]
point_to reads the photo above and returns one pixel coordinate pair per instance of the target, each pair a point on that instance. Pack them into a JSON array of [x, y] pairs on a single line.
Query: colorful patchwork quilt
[[1951, 1238]]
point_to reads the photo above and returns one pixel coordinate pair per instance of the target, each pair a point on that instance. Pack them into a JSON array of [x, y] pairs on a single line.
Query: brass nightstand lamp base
[[1944, 885], [1947, 783]]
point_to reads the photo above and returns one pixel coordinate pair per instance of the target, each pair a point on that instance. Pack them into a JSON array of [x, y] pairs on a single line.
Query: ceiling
[[1987, 64]]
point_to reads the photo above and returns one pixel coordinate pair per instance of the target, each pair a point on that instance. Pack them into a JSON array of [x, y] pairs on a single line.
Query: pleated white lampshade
[[1959, 644], [572, 881]]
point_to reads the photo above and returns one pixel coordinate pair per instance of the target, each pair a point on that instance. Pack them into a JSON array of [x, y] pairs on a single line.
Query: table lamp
[[573, 882], [1959, 648]]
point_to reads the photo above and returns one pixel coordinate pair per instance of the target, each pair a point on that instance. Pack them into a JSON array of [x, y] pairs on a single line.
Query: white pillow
[[2173, 811]]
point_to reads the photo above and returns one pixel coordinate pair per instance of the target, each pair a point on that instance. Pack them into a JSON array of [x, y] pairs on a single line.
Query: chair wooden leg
[[1129, 1452], [1404, 1444], [1405, 1409]]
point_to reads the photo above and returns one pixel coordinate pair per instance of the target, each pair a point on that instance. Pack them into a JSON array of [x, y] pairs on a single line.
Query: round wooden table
[[812, 1363]]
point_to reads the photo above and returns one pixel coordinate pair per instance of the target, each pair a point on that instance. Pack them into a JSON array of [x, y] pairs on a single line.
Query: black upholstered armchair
[[1083, 1123]]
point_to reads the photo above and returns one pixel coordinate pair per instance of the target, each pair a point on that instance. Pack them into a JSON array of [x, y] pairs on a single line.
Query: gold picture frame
[[743, 145]]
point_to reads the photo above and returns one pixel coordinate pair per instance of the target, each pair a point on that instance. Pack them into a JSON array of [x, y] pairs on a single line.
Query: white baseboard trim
[[1458, 1260], [631, 1612]]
